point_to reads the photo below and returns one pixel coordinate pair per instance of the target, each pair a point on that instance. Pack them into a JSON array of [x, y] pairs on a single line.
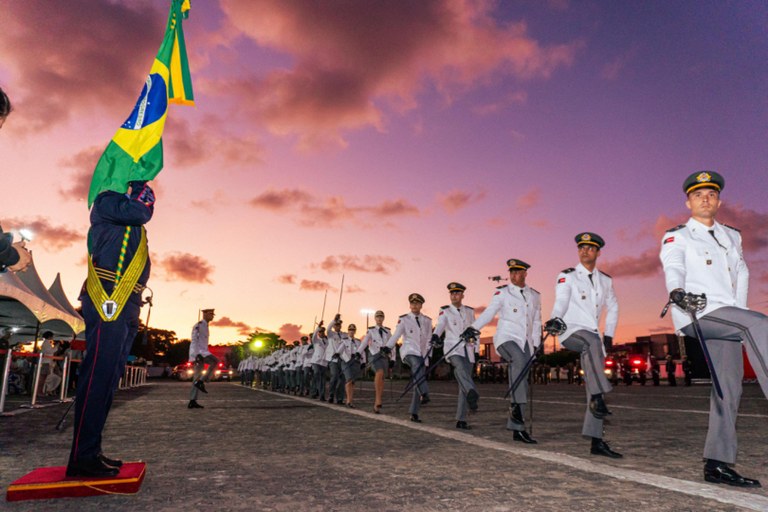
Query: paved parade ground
[[256, 450]]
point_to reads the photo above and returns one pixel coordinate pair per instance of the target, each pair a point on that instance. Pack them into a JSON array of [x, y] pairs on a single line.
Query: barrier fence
[[133, 376]]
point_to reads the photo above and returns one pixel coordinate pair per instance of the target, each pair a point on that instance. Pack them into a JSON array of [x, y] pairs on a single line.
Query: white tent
[[29, 307]]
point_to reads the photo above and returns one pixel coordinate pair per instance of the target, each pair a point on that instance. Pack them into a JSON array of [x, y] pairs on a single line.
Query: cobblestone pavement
[[256, 450]]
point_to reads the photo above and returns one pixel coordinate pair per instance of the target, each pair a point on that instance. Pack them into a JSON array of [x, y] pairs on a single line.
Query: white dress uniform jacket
[[694, 261], [321, 345], [348, 347], [335, 344], [415, 334], [519, 311], [580, 301], [453, 322], [199, 342], [375, 338]]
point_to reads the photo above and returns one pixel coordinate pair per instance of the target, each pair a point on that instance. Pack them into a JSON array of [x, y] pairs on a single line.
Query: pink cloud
[[315, 286], [191, 146], [61, 80], [366, 263], [353, 288], [350, 58], [287, 279], [47, 236], [646, 264], [290, 332], [455, 200], [311, 210], [528, 200], [242, 328], [84, 162], [751, 223], [186, 267]]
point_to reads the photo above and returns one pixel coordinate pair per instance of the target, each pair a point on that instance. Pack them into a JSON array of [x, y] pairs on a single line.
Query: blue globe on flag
[[151, 105]]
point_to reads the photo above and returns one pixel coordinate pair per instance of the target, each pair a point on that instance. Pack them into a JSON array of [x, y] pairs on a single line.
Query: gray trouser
[[419, 376], [336, 386], [516, 359], [213, 363], [723, 329], [319, 377], [462, 370], [590, 346]]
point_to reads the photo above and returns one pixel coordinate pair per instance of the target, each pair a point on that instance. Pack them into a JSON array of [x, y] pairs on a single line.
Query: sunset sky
[[403, 144]]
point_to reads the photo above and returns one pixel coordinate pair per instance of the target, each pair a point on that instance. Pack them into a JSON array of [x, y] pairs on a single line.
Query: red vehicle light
[[637, 362], [609, 363]]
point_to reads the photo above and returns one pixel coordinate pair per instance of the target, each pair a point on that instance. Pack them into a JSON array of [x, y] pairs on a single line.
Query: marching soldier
[[581, 296], [306, 366], [375, 340], [453, 321], [319, 363], [199, 353], [333, 355], [703, 256], [416, 331], [518, 336], [350, 363]]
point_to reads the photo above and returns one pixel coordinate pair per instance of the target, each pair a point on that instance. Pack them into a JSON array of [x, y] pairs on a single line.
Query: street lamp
[[367, 312]]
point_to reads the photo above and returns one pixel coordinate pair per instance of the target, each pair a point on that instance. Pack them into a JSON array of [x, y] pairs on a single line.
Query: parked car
[[185, 371]]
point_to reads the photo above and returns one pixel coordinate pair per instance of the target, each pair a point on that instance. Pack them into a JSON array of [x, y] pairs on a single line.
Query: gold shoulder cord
[[110, 306]]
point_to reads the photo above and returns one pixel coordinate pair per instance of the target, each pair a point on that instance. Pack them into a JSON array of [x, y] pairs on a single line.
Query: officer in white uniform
[[453, 321], [416, 331], [336, 340], [306, 366], [704, 256], [376, 338], [319, 363], [518, 336], [581, 296], [199, 353]]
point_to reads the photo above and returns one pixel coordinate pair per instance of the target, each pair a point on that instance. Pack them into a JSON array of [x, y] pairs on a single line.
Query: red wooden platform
[[52, 482]]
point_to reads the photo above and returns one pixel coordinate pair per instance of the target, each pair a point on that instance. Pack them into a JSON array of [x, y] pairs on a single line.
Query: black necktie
[[417, 321], [522, 292], [712, 232], [381, 332], [590, 279]]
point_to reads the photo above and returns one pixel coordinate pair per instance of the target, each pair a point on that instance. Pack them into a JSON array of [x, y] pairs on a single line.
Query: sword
[[692, 304], [429, 369], [556, 330]]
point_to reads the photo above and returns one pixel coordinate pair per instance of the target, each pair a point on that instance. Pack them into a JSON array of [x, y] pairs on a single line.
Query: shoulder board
[[425, 316], [606, 275], [470, 307], [501, 287], [681, 226], [403, 316], [444, 307], [535, 291], [568, 270], [371, 328], [731, 227], [387, 329]]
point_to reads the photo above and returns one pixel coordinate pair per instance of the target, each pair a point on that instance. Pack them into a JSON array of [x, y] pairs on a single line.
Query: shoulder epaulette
[[535, 290], [568, 270], [444, 307], [370, 328], [501, 287], [731, 227], [606, 275], [403, 316], [681, 226], [470, 307], [428, 318]]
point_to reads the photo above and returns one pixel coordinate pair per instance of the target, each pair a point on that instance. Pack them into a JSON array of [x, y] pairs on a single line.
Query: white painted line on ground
[[707, 491]]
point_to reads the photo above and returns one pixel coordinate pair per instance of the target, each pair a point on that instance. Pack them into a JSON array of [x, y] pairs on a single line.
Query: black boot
[[194, 405], [425, 399], [600, 447], [415, 418], [719, 473], [199, 384], [115, 463], [523, 437], [91, 468], [463, 425], [472, 398]]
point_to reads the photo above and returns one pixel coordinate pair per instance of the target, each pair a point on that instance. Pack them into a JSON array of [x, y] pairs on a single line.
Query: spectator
[[671, 367], [687, 371]]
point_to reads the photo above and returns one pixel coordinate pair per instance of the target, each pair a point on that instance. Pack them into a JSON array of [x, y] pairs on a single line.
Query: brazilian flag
[[136, 150]]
